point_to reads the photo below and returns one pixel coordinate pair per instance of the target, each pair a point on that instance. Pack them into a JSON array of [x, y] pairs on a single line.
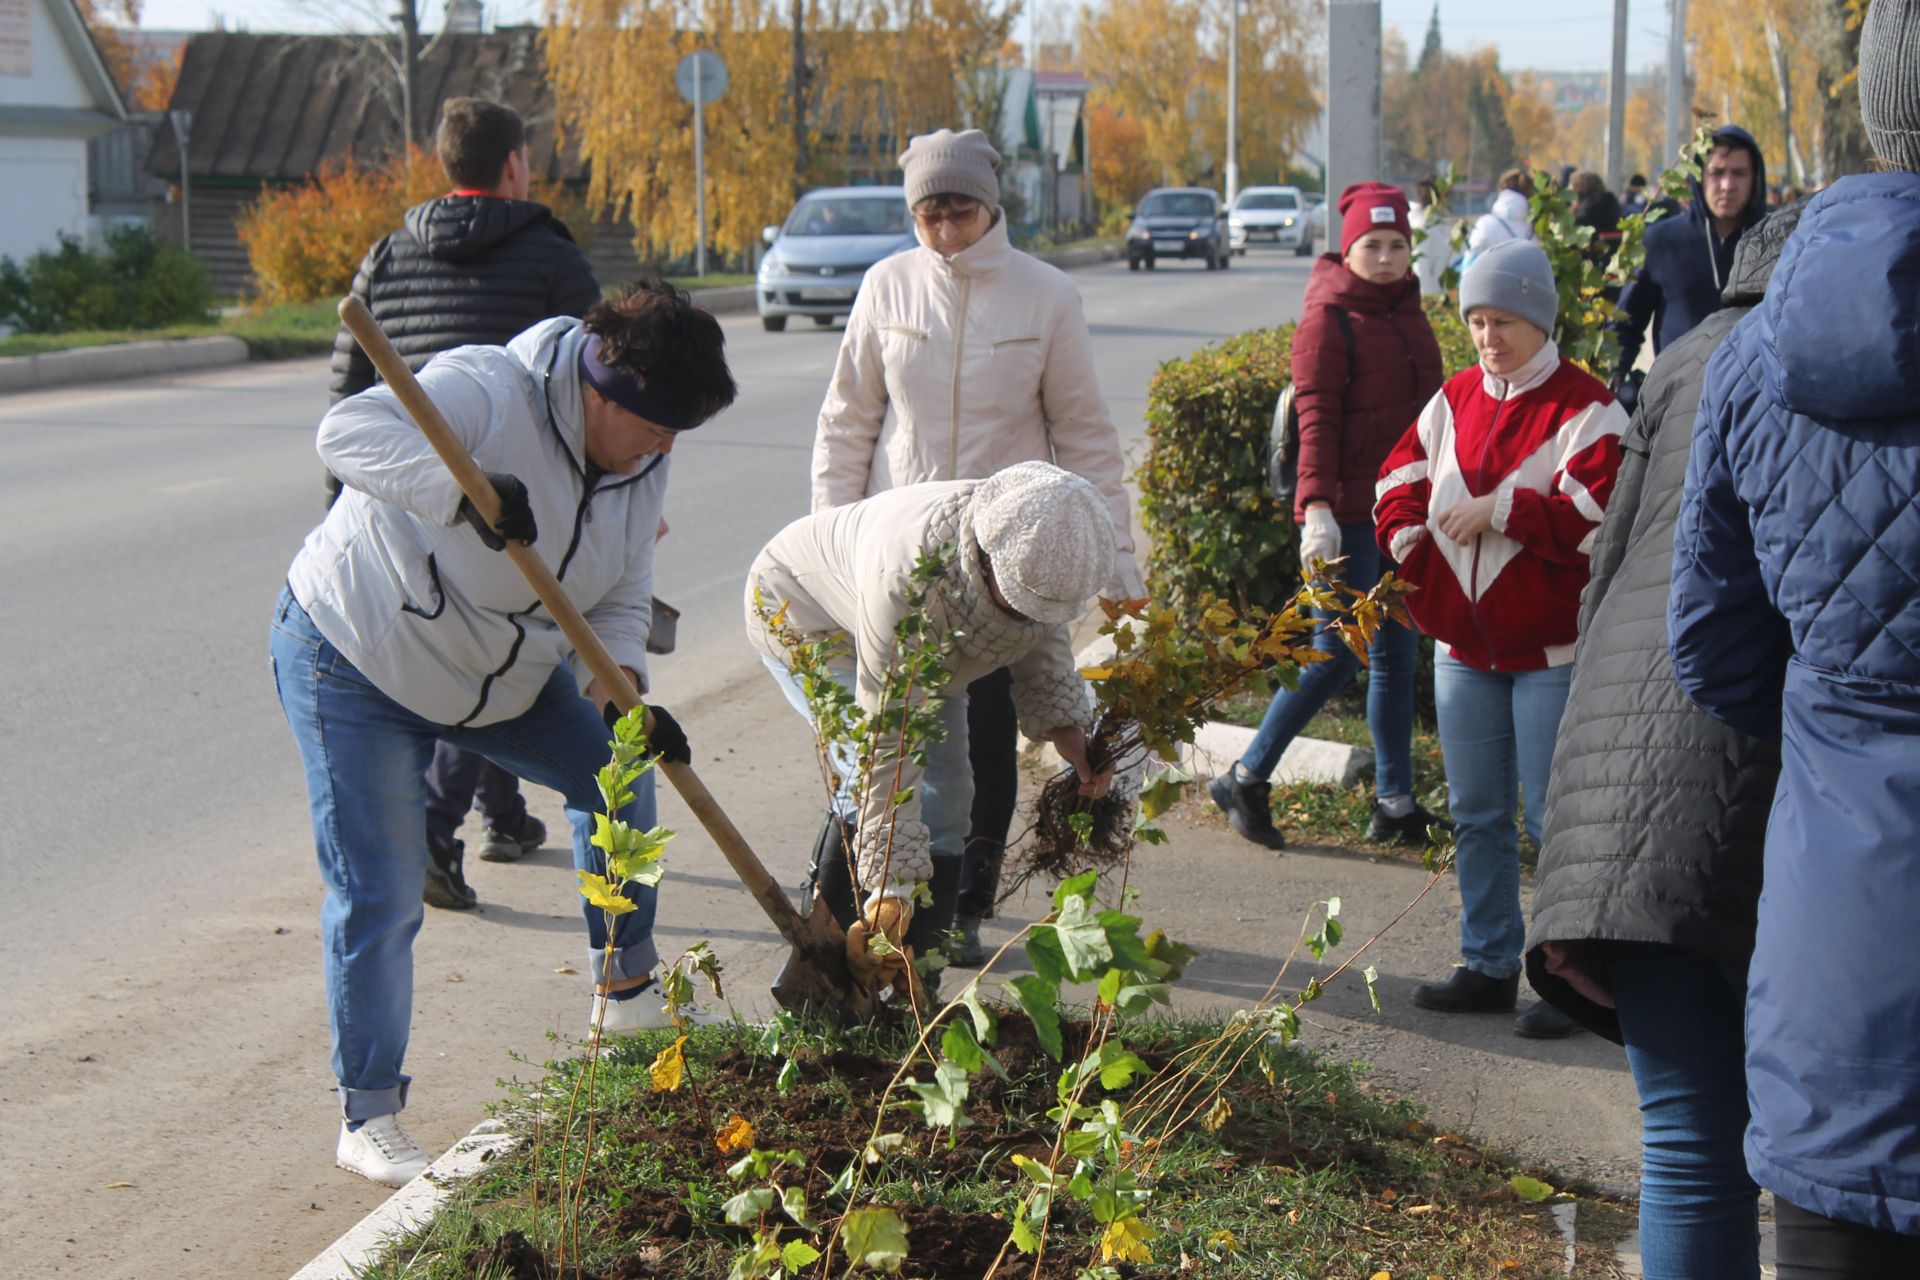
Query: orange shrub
[[305, 242]]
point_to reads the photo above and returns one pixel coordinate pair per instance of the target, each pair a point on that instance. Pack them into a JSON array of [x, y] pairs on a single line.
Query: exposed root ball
[[1055, 849]]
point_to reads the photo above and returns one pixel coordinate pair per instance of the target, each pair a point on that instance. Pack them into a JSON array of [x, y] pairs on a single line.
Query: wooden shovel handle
[[613, 678]]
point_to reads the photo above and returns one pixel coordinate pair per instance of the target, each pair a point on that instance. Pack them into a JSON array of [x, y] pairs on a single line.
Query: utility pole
[[1353, 93], [182, 124], [408, 16], [1233, 105], [799, 19], [1617, 103], [1679, 118]]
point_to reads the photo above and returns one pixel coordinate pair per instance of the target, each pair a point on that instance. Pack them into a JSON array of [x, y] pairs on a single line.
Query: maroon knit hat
[[1372, 206]]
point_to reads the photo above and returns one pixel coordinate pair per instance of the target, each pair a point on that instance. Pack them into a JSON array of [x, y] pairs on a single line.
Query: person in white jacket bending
[[401, 623], [961, 357], [1022, 554], [1508, 219]]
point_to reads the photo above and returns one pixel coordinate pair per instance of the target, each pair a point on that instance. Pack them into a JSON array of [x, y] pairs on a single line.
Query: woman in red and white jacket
[[1489, 504]]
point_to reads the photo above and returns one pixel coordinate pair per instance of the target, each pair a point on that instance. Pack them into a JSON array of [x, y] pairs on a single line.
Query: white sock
[[1395, 806], [1244, 775]]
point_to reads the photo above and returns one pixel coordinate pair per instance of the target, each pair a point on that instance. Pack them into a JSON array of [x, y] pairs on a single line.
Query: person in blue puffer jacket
[[1795, 614]]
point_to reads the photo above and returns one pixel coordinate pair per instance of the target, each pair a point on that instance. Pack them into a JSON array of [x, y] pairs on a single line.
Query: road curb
[[732, 300], [1218, 744], [118, 360], [409, 1208]]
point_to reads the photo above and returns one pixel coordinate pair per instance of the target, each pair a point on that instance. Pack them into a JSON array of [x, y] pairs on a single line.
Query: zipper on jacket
[[1473, 570], [959, 350]]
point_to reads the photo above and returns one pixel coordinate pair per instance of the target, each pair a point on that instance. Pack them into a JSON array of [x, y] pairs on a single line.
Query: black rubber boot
[[1469, 991], [930, 925], [1541, 1021], [830, 878], [447, 886]]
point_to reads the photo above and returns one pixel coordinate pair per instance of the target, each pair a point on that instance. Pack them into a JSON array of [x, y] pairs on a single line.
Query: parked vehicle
[[817, 258], [1178, 222], [1274, 215], [1316, 202]]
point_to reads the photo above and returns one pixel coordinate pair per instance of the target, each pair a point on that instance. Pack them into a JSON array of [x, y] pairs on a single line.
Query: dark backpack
[[1283, 448]]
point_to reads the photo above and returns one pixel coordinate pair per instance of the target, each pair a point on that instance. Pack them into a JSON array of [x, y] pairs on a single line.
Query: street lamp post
[[182, 125], [1678, 123], [1233, 105]]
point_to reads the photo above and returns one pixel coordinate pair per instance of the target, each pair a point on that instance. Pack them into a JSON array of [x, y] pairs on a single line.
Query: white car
[[1270, 215]]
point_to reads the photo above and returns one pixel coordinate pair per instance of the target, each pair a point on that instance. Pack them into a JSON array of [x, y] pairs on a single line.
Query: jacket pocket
[[907, 332]]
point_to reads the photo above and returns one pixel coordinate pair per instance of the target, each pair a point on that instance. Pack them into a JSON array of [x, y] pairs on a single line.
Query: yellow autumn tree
[[1143, 57], [1756, 66], [876, 72], [1278, 79], [1121, 170]]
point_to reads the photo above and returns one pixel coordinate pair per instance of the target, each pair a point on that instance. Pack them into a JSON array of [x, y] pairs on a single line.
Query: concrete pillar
[[1353, 95]]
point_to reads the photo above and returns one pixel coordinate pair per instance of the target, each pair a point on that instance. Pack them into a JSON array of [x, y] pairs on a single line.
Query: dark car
[[1178, 222]]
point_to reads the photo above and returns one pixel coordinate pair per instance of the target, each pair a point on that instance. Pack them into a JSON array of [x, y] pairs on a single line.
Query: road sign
[[701, 77]]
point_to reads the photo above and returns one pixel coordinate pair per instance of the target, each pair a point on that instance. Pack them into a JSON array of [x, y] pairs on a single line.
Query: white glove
[[1319, 537]]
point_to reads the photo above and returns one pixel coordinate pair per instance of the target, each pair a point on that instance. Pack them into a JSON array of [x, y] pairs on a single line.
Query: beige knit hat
[[1049, 537], [945, 163]]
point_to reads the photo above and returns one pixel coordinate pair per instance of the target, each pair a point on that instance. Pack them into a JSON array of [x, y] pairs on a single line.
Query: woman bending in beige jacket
[[963, 357]]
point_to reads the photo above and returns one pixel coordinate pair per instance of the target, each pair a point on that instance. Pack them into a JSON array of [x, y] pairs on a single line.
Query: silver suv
[[816, 259]]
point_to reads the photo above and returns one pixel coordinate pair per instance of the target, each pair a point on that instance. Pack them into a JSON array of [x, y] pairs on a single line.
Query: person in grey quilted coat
[[1795, 614], [1022, 554], [1650, 862]]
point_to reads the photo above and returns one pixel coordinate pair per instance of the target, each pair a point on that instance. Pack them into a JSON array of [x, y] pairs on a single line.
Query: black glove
[[1626, 390], [666, 739], [516, 513]]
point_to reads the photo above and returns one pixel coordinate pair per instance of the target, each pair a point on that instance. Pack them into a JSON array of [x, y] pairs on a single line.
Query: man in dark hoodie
[[1690, 255], [1644, 906], [474, 267]]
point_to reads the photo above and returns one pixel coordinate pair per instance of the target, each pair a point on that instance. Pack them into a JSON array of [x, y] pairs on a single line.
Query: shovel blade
[[815, 980]]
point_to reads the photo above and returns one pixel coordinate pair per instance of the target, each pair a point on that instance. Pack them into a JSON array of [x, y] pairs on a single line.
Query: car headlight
[[771, 265], [1198, 233], [1286, 222], [1136, 232], [1236, 224]]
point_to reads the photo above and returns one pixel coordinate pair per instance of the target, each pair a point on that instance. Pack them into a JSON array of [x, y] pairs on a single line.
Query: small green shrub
[[1213, 527], [132, 282]]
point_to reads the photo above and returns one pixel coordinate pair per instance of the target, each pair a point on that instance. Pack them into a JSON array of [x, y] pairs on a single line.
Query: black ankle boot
[[830, 878], [1248, 808], [1542, 1021], [1469, 991]]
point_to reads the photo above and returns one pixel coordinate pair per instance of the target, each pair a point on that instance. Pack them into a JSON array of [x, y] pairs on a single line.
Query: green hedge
[[1214, 530], [132, 282], [1213, 527]]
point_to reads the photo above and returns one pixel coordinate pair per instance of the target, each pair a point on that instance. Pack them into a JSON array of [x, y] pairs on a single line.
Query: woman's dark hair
[[475, 138], [1517, 179], [677, 351], [1587, 184]]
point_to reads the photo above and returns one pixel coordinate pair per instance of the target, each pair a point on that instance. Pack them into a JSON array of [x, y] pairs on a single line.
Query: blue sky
[[1570, 35]]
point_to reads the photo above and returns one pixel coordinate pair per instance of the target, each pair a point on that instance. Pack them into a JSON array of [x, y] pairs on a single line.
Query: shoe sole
[[508, 851], [1432, 1007], [1545, 1035], [440, 900]]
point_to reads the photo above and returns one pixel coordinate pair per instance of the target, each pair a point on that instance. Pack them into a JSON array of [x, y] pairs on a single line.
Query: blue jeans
[[1496, 735], [1683, 1017], [946, 788], [1391, 661], [366, 758]]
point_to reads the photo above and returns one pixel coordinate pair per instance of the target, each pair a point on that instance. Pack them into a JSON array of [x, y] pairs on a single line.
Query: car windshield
[[1181, 204], [848, 216], [1268, 200]]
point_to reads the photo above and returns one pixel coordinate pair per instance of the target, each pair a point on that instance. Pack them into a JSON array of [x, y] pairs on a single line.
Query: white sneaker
[[644, 1012], [380, 1151]]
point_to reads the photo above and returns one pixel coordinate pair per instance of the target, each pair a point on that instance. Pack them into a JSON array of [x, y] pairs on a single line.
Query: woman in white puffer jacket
[[963, 357]]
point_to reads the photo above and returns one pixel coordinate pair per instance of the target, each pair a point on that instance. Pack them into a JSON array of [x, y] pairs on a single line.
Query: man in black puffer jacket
[[1650, 866], [474, 267]]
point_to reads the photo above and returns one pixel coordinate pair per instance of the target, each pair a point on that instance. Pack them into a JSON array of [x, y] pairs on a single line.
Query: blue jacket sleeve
[[1638, 303], [1730, 645]]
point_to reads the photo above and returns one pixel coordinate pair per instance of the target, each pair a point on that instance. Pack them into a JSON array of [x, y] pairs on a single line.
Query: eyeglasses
[[959, 216]]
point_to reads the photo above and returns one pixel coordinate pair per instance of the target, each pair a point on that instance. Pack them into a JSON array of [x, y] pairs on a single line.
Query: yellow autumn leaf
[[1126, 1240], [1217, 1115], [598, 892], [670, 1067], [735, 1135], [1097, 673], [1381, 1275]]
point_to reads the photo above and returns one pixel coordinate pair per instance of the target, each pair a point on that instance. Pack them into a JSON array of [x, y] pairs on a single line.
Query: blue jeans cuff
[[634, 961], [364, 1104]]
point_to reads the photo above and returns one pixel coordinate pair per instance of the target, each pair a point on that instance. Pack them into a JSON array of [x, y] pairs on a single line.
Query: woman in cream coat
[[963, 357]]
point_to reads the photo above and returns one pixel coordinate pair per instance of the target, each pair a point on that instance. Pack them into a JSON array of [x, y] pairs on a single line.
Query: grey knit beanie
[[1516, 277], [1049, 537], [1890, 82], [945, 163]]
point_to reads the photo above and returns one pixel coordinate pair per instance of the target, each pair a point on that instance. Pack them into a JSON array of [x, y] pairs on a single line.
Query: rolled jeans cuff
[[364, 1104], [636, 961]]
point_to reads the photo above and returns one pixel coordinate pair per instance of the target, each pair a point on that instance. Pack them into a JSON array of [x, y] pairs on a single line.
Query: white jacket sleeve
[[900, 847], [1049, 692], [1085, 441], [852, 413], [623, 618], [372, 445]]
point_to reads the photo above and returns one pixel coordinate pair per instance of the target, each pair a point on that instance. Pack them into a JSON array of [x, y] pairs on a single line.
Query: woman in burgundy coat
[[1364, 362]]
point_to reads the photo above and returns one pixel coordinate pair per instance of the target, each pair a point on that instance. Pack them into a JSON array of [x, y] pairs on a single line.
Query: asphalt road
[[165, 1104]]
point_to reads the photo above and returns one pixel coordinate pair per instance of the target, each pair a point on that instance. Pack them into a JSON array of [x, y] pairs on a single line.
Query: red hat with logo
[[1372, 206]]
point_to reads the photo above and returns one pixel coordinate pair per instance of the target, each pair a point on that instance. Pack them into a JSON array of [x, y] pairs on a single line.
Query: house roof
[[109, 108], [274, 108]]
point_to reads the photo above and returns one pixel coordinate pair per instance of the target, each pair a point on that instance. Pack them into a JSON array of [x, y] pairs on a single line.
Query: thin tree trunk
[[1783, 82]]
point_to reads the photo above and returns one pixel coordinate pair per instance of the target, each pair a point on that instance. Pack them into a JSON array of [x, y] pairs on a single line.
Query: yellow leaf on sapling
[[670, 1067], [598, 892], [735, 1135], [1126, 1239]]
